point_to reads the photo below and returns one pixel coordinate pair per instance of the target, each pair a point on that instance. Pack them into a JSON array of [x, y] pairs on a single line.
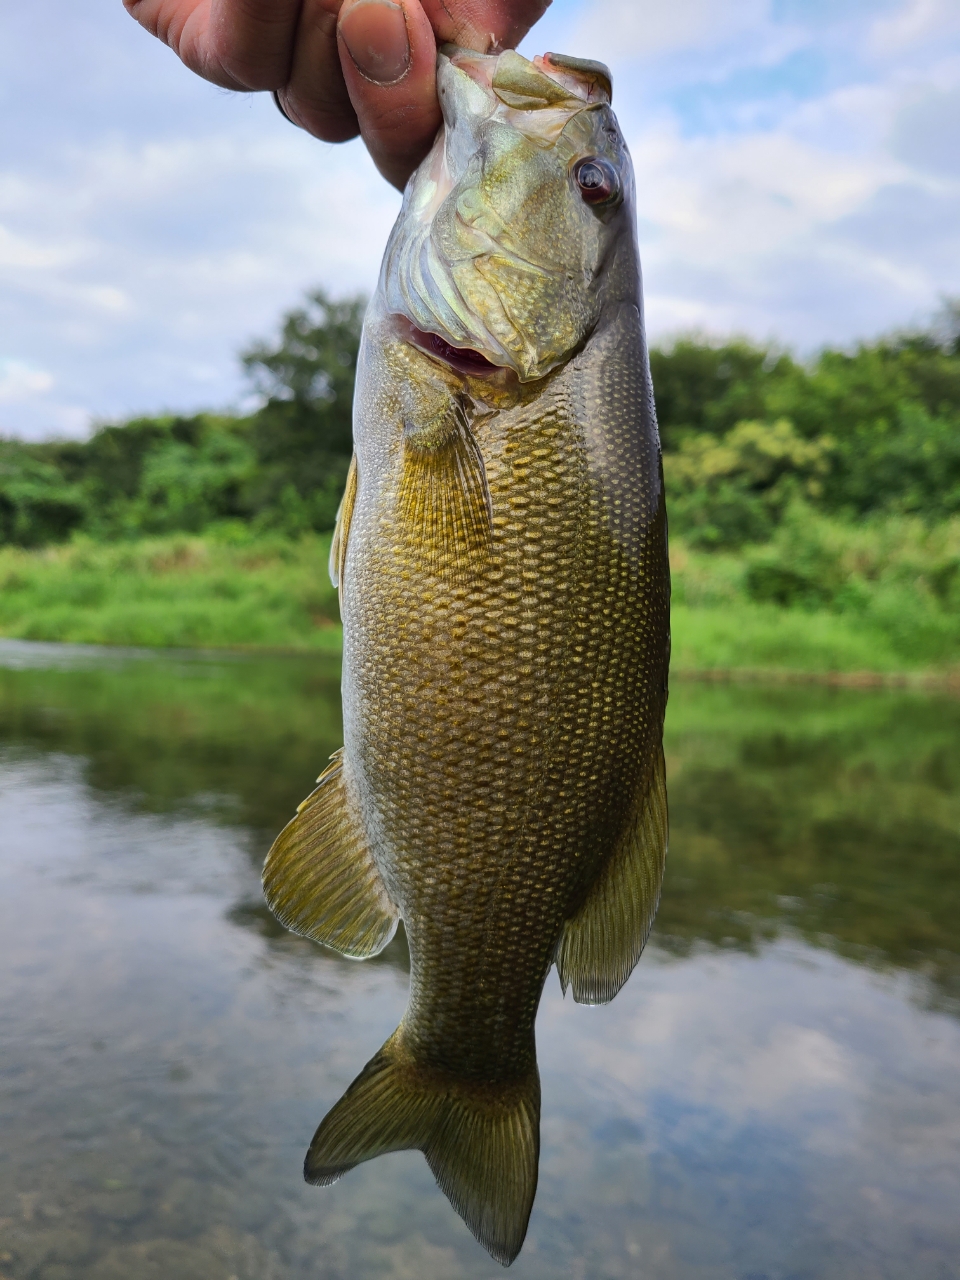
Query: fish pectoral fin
[[481, 1140], [341, 529], [443, 500], [320, 878], [602, 942]]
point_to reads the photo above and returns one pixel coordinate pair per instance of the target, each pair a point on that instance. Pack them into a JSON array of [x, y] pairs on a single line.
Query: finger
[[240, 44], [388, 54], [315, 96], [252, 40], [483, 24], [184, 26]]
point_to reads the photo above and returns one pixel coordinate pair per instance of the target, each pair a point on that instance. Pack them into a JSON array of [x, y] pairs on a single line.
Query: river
[[774, 1095]]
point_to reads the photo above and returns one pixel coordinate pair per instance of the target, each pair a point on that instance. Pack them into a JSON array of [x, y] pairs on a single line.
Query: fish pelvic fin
[[341, 529], [320, 878], [602, 941], [443, 499], [481, 1141]]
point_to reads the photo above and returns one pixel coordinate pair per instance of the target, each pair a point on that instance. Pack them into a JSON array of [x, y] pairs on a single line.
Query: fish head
[[500, 251]]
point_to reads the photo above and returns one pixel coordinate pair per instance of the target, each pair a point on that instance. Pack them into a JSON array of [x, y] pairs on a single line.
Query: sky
[[798, 172]]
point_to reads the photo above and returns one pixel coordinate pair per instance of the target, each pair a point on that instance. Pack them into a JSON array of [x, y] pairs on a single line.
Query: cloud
[[146, 264], [924, 132], [151, 225], [753, 1108], [648, 29], [745, 1040], [796, 161], [798, 173], [19, 381], [19, 251], [917, 22]]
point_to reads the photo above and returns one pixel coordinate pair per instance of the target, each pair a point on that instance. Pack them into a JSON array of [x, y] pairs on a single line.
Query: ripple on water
[[774, 1093]]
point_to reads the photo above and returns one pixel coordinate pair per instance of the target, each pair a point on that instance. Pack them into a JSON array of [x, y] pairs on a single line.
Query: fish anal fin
[[443, 500], [320, 878], [341, 529], [602, 942], [481, 1141]]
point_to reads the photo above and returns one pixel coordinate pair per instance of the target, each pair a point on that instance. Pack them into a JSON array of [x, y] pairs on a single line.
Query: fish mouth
[[463, 359]]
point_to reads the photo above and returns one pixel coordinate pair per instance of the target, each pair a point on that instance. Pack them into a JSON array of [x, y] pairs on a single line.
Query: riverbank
[[274, 594], [174, 592]]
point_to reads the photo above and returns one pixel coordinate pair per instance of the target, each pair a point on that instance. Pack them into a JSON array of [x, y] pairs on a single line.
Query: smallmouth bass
[[501, 554]]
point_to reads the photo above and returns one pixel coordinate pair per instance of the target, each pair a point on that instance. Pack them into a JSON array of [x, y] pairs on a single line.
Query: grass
[[274, 594], [179, 592], [764, 637], [823, 596]]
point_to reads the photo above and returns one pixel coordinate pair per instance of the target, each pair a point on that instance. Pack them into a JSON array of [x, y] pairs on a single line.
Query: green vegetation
[[280, 470], [892, 602], [822, 594], [181, 591], [814, 509]]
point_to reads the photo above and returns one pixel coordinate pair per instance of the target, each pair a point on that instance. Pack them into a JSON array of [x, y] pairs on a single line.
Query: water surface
[[775, 1094]]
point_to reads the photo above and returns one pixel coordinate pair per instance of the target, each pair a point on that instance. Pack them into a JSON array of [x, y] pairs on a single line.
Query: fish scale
[[501, 554], [457, 752]]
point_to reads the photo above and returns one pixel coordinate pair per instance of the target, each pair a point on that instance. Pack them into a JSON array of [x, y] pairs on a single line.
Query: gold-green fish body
[[502, 561]]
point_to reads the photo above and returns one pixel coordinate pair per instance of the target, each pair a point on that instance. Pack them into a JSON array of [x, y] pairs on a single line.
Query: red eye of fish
[[597, 180]]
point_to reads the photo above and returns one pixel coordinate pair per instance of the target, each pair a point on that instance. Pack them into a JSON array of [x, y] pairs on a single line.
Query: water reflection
[[775, 1093]]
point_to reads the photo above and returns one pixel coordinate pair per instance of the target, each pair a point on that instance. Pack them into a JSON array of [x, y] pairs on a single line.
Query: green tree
[[891, 407], [726, 491], [37, 504], [191, 486], [705, 386], [303, 433], [745, 430]]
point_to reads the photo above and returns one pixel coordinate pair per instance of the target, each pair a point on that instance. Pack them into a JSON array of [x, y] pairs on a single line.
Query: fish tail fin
[[481, 1141]]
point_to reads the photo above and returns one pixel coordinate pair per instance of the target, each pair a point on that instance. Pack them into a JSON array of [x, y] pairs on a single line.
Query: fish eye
[[597, 179]]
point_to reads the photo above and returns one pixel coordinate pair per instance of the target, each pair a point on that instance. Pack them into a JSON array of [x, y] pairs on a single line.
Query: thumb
[[388, 55]]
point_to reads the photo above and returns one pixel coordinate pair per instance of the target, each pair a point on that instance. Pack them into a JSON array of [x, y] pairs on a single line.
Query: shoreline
[[933, 681], [15, 649], [273, 596]]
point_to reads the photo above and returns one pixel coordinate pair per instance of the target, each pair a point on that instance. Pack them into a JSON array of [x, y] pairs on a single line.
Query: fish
[[501, 558]]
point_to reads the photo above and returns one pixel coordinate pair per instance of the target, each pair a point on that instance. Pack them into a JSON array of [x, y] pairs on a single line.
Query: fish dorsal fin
[[320, 878], [341, 530], [443, 502], [602, 942]]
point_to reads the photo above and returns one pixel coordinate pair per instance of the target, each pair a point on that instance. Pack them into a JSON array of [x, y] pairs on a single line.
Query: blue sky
[[798, 168]]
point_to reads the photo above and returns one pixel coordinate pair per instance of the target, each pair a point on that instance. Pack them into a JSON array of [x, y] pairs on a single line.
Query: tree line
[[749, 432]]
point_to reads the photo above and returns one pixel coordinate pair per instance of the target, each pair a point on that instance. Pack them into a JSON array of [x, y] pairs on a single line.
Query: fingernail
[[375, 33]]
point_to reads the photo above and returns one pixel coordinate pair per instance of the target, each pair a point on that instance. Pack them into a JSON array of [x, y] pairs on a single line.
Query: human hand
[[340, 67]]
